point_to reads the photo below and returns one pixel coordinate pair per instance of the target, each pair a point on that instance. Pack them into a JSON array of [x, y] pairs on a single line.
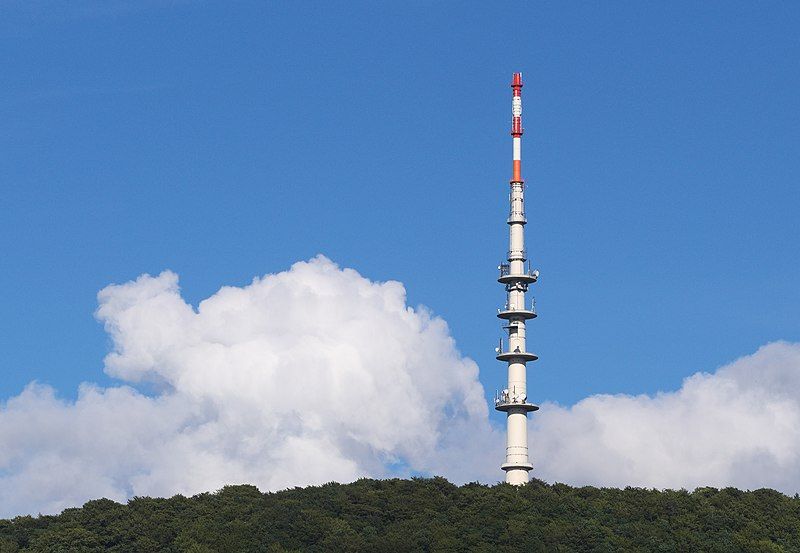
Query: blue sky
[[227, 140]]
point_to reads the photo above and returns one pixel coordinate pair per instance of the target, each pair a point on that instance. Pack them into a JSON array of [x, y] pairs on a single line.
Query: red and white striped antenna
[[516, 125]]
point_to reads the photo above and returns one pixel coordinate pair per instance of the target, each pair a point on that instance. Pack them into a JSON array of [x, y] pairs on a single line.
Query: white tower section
[[516, 277]]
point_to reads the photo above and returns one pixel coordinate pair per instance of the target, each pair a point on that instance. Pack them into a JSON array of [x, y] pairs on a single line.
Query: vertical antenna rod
[[514, 400], [516, 125]]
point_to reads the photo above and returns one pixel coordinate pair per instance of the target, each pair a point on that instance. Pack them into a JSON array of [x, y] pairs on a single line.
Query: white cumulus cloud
[[318, 374], [306, 376], [739, 426]]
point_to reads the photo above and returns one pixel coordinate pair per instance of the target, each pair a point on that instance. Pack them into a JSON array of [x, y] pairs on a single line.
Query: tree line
[[421, 514]]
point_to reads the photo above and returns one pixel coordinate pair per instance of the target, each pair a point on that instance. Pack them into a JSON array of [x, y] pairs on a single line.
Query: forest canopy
[[421, 514]]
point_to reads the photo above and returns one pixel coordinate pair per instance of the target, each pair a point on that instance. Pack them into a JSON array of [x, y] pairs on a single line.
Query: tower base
[[517, 477]]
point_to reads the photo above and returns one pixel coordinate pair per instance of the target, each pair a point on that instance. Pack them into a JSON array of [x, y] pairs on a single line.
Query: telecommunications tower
[[516, 275]]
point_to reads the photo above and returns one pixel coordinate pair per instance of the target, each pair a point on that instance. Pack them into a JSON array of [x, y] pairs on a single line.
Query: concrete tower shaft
[[516, 278]]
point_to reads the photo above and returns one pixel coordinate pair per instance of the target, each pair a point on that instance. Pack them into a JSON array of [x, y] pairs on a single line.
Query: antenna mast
[[516, 278]]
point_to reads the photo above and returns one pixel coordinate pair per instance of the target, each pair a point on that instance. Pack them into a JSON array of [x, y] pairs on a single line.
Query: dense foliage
[[421, 515]]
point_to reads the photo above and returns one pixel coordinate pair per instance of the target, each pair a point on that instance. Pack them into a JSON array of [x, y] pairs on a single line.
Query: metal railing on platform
[[509, 397], [505, 270]]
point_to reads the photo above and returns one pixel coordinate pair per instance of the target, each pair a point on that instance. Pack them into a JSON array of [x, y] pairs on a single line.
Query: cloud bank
[[739, 426], [318, 374], [307, 376]]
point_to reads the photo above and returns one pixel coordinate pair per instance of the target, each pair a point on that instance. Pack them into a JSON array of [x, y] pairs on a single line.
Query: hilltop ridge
[[421, 514]]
